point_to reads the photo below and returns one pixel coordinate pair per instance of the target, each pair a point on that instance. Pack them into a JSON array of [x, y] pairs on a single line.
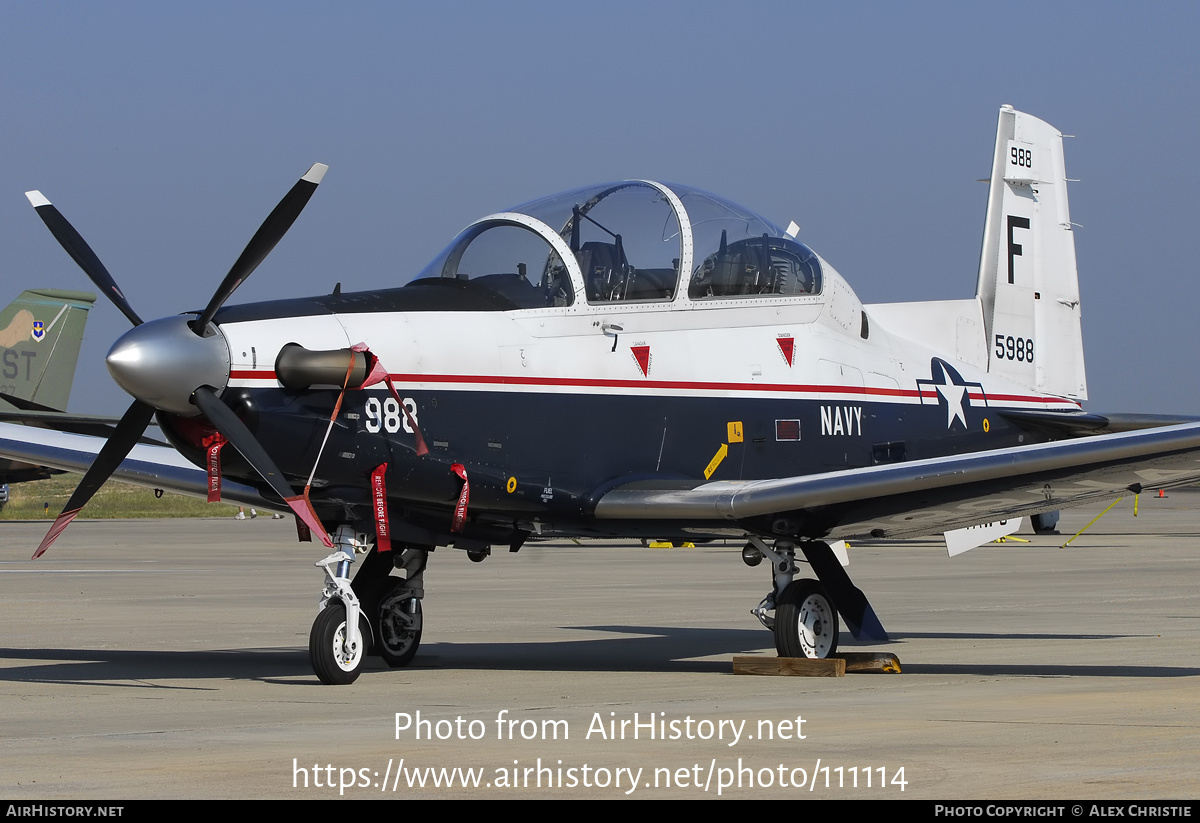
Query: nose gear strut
[[341, 633]]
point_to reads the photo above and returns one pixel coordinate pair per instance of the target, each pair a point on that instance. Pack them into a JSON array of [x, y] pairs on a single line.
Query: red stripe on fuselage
[[678, 385]]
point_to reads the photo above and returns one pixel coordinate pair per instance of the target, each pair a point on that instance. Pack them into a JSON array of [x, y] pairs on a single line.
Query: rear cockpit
[[758, 266], [636, 241]]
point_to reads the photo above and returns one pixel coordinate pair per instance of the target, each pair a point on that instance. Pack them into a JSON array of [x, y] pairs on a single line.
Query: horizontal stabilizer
[[1078, 423]]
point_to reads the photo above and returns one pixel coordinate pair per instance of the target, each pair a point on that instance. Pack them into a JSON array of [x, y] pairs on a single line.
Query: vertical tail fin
[[1028, 283], [40, 336]]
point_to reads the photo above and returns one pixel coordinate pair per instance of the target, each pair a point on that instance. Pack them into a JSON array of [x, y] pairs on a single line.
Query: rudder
[[1028, 282]]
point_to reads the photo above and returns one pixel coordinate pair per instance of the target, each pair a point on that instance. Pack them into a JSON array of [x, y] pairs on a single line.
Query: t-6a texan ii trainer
[[634, 359]]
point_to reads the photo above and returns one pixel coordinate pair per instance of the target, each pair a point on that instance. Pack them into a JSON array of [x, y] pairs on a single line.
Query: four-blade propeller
[[165, 367]]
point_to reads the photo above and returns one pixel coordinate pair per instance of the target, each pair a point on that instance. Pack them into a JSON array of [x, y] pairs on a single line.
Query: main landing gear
[[805, 623], [376, 614], [398, 627], [805, 619]]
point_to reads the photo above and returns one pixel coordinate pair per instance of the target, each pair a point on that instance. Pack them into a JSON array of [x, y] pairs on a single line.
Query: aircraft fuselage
[[548, 408]]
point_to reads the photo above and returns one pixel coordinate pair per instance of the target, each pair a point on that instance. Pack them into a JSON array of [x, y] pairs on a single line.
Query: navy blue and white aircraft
[[634, 359]]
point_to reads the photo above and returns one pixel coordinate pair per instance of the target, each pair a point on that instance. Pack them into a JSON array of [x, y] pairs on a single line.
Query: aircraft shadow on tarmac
[[132, 668], [1050, 670], [902, 636], [634, 649], [664, 649]]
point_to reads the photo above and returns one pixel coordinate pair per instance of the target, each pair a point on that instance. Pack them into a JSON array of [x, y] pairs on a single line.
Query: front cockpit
[[637, 241]]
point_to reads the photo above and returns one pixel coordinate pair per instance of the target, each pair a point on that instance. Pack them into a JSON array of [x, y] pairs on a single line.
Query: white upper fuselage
[[684, 344]]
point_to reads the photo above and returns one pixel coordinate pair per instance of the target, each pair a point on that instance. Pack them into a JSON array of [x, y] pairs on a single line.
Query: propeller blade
[[247, 444], [129, 430], [268, 235], [81, 253]]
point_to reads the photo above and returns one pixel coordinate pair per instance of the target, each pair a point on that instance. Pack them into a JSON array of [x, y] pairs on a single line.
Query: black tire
[[806, 621], [395, 641], [325, 646]]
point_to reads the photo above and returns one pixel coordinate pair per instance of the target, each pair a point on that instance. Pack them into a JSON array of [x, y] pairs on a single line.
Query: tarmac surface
[[146, 659]]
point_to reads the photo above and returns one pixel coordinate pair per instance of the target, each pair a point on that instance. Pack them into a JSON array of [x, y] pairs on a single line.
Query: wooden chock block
[[871, 662], [789, 666]]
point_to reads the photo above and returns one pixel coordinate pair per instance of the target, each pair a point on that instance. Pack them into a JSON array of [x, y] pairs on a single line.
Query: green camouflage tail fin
[[40, 335]]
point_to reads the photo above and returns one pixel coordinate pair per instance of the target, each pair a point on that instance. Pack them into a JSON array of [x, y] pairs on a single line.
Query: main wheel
[[806, 622], [326, 649], [399, 627]]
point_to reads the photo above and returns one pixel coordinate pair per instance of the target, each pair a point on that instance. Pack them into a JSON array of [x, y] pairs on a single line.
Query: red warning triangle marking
[[787, 346], [642, 355]]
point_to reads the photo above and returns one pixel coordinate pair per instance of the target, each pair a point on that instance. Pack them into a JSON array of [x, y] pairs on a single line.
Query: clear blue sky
[[166, 132]]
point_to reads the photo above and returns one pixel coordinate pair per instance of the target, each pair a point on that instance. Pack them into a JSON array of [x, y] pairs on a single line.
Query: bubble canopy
[[636, 241]]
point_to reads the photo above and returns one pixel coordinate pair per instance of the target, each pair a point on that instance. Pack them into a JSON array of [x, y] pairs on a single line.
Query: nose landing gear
[[341, 633], [336, 658]]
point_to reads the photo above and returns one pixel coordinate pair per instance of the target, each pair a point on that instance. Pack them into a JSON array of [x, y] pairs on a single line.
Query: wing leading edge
[[926, 497], [155, 467]]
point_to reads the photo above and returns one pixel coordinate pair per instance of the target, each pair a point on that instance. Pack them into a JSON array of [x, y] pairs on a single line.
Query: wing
[[87, 424], [925, 497], [155, 467]]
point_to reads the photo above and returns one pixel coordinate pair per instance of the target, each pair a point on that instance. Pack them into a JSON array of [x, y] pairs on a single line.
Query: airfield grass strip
[[44, 499]]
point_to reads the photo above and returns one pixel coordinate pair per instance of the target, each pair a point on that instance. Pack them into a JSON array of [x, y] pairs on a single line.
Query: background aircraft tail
[[40, 335], [1028, 284]]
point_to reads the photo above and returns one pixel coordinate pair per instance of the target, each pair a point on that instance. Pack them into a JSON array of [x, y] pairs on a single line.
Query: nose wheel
[[806, 622], [335, 661]]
